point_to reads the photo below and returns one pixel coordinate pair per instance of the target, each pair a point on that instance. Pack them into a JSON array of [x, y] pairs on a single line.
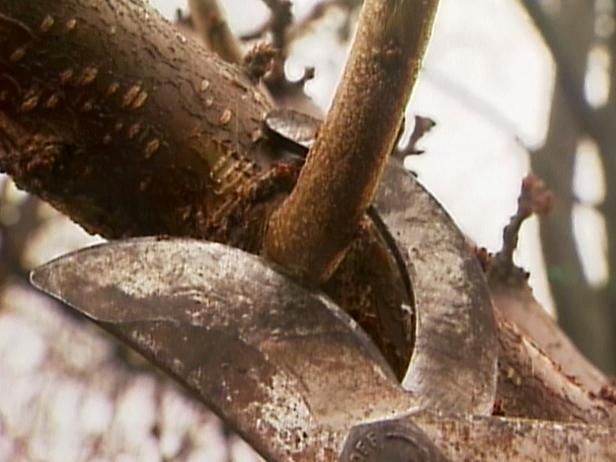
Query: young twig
[[311, 230], [534, 198], [422, 126]]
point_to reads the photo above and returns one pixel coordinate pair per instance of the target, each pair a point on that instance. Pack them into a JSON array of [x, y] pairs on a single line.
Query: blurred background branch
[[583, 112]]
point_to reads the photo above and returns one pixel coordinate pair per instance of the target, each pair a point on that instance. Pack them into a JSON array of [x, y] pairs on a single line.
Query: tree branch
[[214, 30], [344, 166], [79, 106]]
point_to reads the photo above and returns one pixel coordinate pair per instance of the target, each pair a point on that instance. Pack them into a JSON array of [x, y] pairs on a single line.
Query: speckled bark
[[315, 225], [103, 103]]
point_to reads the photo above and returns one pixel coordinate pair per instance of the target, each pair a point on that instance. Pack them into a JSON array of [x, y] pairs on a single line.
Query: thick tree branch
[[515, 302], [518, 306], [79, 106], [312, 229]]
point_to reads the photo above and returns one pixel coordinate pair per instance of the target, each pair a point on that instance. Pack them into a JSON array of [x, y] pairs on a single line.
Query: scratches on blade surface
[[284, 366], [453, 367]]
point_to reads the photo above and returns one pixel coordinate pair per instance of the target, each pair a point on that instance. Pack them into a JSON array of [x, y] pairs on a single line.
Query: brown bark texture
[[102, 105], [517, 305]]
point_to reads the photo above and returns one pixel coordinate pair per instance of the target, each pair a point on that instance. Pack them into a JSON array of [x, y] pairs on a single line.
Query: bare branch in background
[[16, 233], [319, 11], [422, 126], [519, 313], [534, 199], [177, 154], [585, 312], [279, 21], [213, 29]]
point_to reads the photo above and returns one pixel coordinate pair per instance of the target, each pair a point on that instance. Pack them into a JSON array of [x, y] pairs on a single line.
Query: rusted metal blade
[[501, 439], [435, 437], [454, 364], [285, 367], [294, 130], [453, 367]]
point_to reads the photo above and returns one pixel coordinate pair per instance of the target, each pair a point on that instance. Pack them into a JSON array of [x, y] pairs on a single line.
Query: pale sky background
[[487, 82]]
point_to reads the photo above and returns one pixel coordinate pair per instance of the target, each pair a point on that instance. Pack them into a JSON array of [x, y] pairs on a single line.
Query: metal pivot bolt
[[398, 440]]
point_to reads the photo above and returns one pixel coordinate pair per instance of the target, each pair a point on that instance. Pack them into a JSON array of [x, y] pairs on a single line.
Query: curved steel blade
[[454, 364], [453, 368], [282, 365]]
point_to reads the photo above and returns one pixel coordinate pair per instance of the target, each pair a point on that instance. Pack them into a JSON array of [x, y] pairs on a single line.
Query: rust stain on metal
[[286, 367]]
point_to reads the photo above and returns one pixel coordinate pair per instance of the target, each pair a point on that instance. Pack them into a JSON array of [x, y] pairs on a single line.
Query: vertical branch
[[312, 228]]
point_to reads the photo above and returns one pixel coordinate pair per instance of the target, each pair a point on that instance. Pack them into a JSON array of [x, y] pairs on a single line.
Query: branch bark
[[312, 229], [518, 306], [79, 105]]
